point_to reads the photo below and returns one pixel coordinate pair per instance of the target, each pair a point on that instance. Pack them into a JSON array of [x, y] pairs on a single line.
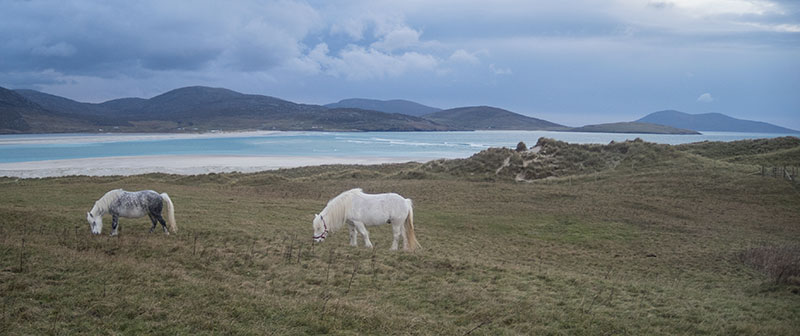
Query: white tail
[[409, 226], [170, 213]]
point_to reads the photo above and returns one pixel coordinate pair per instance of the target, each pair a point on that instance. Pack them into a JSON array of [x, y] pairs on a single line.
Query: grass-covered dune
[[628, 238]]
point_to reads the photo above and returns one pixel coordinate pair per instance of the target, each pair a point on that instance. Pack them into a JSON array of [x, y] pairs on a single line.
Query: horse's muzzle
[[321, 237]]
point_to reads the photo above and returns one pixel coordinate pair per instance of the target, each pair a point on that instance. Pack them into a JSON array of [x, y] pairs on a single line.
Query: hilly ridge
[[490, 118], [633, 127], [19, 114], [711, 122], [388, 106], [200, 108]]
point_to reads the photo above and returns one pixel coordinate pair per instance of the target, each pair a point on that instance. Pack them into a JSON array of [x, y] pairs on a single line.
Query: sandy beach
[[177, 164]]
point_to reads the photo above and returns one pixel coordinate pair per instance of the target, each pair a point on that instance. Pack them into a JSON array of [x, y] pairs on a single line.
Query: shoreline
[[179, 164], [60, 138]]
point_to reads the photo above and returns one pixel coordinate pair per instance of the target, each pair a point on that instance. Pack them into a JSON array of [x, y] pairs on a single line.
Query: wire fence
[[785, 172]]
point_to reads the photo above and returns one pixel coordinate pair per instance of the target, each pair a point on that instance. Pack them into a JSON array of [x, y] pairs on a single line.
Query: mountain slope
[[19, 114], [206, 108], [123, 105], [388, 106], [201, 103], [711, 122], [94, 113], [226, 109], [12, 105], [367, 120], [489, 118], [61, 104]]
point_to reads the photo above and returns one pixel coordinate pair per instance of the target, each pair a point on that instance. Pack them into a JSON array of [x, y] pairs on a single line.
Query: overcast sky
[[572, 62]]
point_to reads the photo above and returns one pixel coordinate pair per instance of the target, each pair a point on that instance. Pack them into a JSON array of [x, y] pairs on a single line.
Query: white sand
[[177, 164]]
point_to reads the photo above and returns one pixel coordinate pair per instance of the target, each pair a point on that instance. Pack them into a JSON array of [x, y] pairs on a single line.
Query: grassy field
[[654, 243]]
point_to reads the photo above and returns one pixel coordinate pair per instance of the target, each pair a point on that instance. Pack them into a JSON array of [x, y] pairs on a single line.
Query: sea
[[412, 145]]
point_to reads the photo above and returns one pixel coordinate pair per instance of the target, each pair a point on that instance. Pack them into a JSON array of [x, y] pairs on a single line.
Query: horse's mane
[[336, 211], [101, 205]]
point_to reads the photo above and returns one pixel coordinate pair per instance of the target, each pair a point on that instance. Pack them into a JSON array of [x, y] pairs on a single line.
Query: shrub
[[781, 263], [521, 147]]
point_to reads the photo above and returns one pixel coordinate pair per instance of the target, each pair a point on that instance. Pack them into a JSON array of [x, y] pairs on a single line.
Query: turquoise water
[[412, 145]]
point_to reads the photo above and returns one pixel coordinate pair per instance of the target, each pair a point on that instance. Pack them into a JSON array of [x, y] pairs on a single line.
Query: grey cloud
[[660, 4], [95, 38], [60, 49]]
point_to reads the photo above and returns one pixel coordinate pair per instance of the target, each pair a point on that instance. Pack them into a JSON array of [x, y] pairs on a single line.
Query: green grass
[[641, 248], [769, 152]]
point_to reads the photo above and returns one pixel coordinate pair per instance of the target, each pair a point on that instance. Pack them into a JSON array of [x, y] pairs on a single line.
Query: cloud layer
[[569, 61]]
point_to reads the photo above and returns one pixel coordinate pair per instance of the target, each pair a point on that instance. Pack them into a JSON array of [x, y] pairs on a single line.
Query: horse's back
[[134, 204], [380, 208]]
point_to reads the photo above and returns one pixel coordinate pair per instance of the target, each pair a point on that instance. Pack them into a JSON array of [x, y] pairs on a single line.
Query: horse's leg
[[160, 220], [353, 234], [363, 231], [152, 219], [114, 224], [396, 232], [402, 226]]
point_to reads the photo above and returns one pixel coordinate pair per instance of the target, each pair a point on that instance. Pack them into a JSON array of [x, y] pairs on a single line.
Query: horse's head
[[320, 228], [95, 223]]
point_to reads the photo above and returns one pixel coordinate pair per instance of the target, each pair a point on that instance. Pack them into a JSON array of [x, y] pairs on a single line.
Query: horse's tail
[[409, 226], [170, 213]]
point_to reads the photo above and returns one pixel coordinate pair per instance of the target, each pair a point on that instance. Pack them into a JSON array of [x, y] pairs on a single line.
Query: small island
[[633, 127]]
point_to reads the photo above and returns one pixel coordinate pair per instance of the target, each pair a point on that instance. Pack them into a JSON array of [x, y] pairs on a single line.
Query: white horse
[[121, 203], [359, 210]]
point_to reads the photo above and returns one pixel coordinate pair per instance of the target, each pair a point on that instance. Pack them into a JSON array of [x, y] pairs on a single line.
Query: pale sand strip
[[178, 164]]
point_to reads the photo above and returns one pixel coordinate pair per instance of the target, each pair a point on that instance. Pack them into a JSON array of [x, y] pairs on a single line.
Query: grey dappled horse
[[121, 203]]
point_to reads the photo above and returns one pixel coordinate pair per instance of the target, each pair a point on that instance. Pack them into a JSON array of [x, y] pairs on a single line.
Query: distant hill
[[489, 118], [21, 115], [199, 103], [200, 108], [388, 106], [121, 105], [12, 105], [61, 104], [96, 114], [633, 127], [226, 109], [715, 122]]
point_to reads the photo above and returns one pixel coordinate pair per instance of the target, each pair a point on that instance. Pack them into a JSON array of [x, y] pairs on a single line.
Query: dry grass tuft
[[780, 263]]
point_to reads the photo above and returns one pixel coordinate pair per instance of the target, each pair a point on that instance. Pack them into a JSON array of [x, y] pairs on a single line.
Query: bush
[[521, 147], [781, 263]]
